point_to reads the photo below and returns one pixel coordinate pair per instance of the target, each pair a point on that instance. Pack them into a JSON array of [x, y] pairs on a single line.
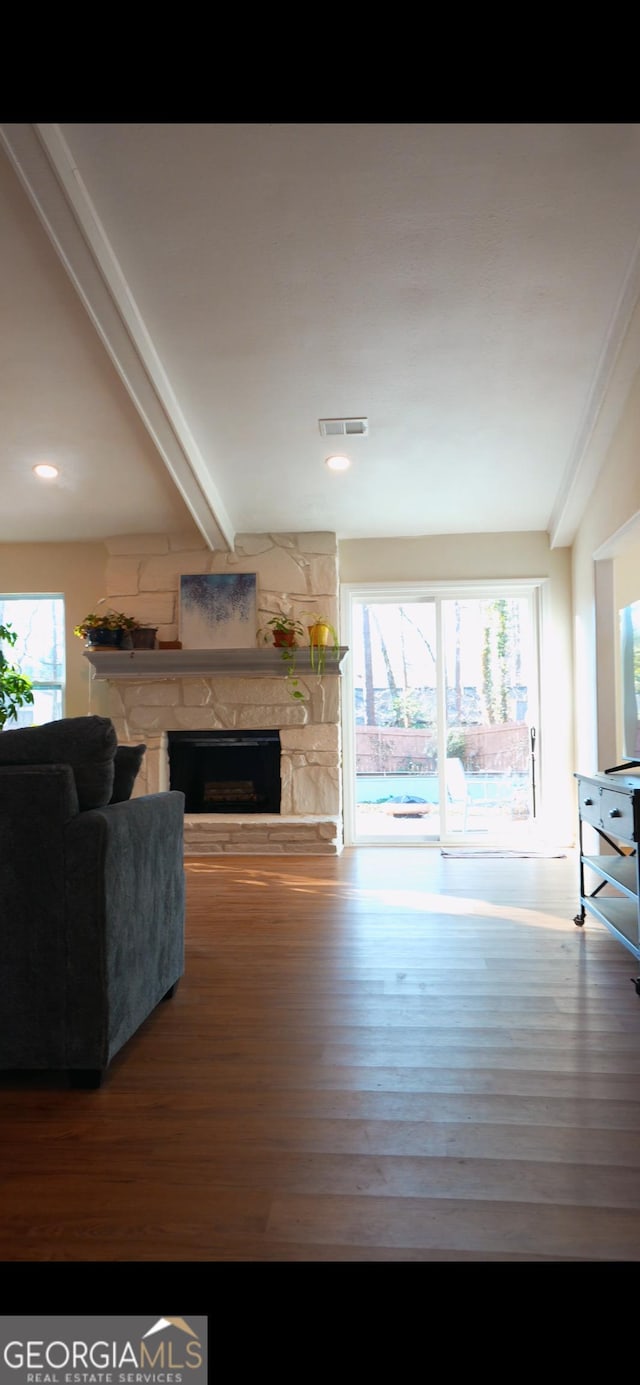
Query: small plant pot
[[102, 638], [145, 638], [319, 634], [284, 639]]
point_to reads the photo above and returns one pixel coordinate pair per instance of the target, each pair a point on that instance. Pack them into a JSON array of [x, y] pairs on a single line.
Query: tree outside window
[[39, 651]]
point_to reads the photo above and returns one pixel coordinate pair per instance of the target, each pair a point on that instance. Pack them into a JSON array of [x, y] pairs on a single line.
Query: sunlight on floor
[[455, 902]]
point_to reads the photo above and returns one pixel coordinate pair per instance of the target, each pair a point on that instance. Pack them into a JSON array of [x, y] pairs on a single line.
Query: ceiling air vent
[[343, 427]]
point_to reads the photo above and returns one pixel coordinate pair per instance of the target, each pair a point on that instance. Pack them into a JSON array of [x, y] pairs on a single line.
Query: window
[[440, 712], [38, 620]]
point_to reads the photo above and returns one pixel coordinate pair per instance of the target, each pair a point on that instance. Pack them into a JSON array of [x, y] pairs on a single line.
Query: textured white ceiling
[[467, 288]]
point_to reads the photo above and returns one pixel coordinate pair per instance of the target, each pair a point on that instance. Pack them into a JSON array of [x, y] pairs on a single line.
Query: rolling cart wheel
[[579, 920], [636, 982]]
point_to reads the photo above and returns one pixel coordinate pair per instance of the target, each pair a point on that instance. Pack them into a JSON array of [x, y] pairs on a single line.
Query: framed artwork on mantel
[[218, 610]]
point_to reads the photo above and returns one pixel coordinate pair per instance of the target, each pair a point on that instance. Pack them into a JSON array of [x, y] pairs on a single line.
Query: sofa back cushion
[[127, 762], [87, 744]]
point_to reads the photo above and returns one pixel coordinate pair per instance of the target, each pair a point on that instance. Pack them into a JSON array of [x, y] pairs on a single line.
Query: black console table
[[611, 804]]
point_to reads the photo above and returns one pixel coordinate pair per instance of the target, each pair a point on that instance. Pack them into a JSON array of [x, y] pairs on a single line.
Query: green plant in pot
[[285, 634], [106, 629], [16, 690], [322, 636]]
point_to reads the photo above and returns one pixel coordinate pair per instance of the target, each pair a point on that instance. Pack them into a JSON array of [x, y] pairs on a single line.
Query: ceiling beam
[[43, 162]]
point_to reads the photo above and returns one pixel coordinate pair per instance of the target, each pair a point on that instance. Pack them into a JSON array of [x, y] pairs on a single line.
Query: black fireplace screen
[[226, 771]]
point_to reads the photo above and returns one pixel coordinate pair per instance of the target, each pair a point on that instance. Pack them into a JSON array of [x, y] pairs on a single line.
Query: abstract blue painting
[[218, 610]]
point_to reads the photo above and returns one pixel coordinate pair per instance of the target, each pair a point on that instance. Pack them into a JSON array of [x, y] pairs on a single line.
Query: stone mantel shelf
[[208, 663]]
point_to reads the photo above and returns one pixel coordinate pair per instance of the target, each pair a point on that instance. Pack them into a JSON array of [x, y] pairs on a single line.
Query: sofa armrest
[[125, 896]]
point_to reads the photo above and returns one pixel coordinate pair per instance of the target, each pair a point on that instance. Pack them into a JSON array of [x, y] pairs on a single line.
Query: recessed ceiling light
[[47, 472], [338, 463]]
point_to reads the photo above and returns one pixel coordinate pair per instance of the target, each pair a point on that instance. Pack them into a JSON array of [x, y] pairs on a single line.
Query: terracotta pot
[[284, 639]]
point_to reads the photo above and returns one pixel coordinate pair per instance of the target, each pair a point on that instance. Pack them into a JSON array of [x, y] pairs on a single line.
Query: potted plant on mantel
[[284, 633], [105, 630], [114, 630], [322, 636], [15, 687]]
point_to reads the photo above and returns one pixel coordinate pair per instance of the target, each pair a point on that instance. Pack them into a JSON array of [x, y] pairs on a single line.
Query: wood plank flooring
[[389, 1056]]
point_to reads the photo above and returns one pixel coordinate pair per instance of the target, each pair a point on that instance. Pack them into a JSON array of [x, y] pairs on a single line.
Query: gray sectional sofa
[[92, 898]]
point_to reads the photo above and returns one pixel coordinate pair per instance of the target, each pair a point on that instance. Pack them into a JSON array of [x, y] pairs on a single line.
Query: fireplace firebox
[[226, 771]]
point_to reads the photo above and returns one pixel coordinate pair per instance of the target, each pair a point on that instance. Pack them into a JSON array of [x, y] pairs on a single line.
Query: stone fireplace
[[152, 694]]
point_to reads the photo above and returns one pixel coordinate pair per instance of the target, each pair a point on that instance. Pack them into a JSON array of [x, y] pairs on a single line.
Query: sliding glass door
[[440, 715]]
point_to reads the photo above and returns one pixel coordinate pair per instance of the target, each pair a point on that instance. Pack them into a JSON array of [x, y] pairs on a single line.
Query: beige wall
[[469, 557], [605, 537], [627, 576], [451, 557], [625, 582], [77, 572]]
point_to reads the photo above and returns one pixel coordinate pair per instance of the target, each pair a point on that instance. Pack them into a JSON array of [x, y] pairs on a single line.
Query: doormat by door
[[517, 855]]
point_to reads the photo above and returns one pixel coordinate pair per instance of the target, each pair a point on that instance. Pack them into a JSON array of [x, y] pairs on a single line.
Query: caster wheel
[[636, 982], [579, 920]]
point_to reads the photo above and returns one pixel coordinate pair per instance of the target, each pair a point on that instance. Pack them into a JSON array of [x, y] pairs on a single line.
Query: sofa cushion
[[127, 762], [87, 744]]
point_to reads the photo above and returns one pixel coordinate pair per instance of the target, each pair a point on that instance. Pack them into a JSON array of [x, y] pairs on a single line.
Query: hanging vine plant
[[284, 633]]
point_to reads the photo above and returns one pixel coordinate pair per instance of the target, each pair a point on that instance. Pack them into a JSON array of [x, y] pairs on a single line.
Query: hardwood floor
[[390, 1056]]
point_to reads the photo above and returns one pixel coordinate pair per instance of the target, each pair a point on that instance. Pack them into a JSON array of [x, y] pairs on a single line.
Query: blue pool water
[[481, 788]]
